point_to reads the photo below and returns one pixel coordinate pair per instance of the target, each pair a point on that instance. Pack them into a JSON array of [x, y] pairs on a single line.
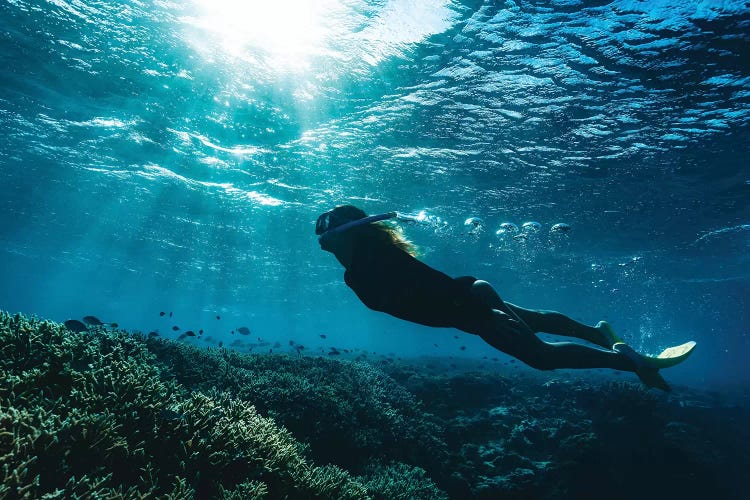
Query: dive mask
[[329, 223]]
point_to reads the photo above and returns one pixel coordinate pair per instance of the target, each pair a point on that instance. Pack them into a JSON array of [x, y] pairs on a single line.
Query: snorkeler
[[383, 271]]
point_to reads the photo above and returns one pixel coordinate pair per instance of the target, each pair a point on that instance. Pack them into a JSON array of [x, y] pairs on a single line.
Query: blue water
[[173, 156]]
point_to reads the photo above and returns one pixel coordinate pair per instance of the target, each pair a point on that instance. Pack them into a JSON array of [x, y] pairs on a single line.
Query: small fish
[[218, 317], [291, 342], [153, 334], [232, 332], [114, 325], [435, 345], [75, 326], [175, 328], [190, 333], [221, 343], [181, 337], [162, 313], [463, 347], [200, 332], [322, 335], [334, 352], [92, 320], [170, 314], [244, 331]]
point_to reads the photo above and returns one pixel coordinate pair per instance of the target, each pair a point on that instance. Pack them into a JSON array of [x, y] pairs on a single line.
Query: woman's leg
[[517, 338], [533, 351], [558, 324], [544, 321]]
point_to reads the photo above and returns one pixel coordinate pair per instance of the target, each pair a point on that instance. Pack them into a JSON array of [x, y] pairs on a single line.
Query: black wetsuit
[[388, 279]]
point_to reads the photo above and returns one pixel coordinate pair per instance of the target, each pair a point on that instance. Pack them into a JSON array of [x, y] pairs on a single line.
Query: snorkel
[[323, 229]]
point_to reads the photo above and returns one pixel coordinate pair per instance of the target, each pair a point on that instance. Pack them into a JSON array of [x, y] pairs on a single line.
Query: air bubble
[[473, 222], [506, 228], [412, 219], [531, 227], [474, 225], [424, 219], [560, 228]]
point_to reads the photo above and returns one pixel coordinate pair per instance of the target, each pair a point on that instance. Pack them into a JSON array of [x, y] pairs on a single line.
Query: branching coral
[[89, 414], [398, 481], [348, 412], [107, 414]]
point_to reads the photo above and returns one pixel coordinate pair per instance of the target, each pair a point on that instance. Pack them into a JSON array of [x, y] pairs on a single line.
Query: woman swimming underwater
[[386, 276]]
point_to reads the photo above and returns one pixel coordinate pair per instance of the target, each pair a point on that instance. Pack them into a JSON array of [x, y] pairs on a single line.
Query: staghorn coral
[[398, 481], [91, 415], [106, 414], [348, 412], [250, 490]]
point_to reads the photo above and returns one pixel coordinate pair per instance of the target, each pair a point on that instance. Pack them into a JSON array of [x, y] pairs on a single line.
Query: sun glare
[[283, 34]]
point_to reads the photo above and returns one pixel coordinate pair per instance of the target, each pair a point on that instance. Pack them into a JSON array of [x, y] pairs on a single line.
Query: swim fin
[[646, 371], [610, 337], [672, 356]]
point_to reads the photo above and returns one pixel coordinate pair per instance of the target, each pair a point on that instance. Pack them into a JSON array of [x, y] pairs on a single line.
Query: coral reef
[[91, 414], [347, 411], [103, 413]]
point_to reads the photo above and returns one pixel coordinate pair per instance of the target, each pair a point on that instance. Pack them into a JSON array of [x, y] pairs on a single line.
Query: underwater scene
[[197, 302]]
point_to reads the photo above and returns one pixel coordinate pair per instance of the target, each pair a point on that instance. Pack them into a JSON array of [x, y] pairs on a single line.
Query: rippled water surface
[[173, 156]]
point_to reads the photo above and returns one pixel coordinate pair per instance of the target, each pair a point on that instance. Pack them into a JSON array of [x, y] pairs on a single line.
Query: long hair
[[385, 233], [376, 232]]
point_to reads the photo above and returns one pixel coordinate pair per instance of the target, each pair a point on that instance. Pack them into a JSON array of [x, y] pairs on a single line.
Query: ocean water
[[173, 157]]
